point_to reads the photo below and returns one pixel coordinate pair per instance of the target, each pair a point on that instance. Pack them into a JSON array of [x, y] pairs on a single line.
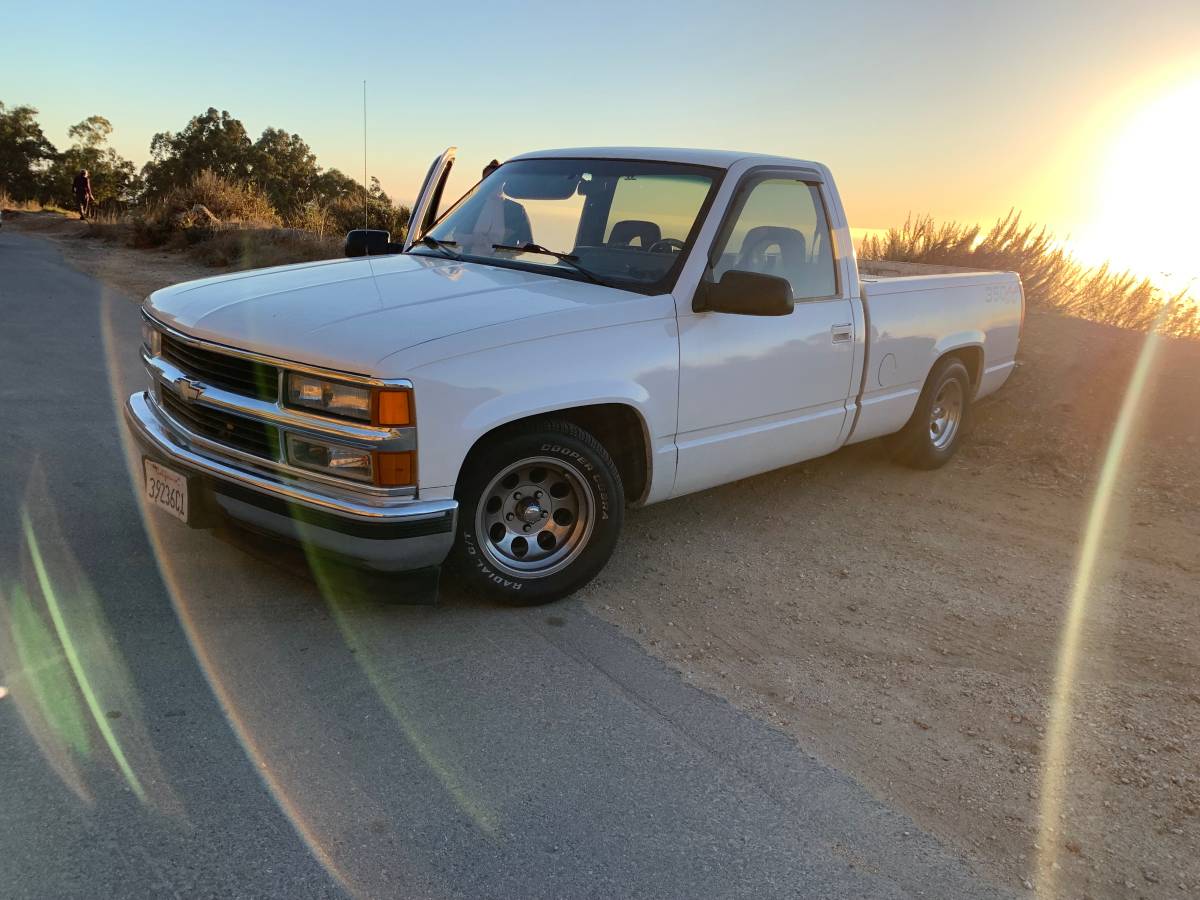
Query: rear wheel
[[540, 509], [932, 435]]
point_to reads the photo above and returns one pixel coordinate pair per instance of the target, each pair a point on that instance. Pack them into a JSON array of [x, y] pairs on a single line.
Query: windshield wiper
[[435, 244], [569, 258]]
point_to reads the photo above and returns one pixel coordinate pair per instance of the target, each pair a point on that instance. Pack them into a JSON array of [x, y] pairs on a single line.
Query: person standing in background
[[84, 198]]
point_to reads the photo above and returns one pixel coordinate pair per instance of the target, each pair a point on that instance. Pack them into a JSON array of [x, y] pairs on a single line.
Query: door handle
[[842, 334]]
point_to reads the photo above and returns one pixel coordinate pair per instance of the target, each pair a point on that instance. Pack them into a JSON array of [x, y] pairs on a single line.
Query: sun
[[1147, 199]]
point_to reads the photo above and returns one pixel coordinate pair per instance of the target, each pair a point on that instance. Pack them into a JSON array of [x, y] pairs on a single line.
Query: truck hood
[[349, 315]]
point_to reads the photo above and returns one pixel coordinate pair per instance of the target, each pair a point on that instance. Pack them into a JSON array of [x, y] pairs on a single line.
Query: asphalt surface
[[184, 718]]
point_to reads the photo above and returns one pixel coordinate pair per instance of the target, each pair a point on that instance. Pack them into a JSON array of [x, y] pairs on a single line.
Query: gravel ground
[[905, 626]]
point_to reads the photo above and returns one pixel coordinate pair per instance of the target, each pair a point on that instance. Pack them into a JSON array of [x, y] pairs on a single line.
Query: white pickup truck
[[583, 330]]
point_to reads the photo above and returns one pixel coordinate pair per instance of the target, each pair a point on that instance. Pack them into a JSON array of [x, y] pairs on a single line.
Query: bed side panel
[[915, 321]]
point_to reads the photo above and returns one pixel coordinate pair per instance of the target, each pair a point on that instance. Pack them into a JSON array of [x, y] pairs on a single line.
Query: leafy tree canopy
[[113, 177], [213, 141], [279, 166], [24, 152], [286, 169]]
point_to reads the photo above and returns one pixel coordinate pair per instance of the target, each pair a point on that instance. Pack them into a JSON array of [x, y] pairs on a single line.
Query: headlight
[[380, 406], [385, 468], [343, 462], [333, 398], [151, 338]]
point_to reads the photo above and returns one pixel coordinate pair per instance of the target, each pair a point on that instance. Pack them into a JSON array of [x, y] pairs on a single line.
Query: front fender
[[460, 400], [505, 408]]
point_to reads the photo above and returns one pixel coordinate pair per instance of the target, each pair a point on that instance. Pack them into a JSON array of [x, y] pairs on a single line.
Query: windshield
[[628, 223]]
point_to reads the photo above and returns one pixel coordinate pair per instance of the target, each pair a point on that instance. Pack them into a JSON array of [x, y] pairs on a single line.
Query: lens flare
[[43, 690], [454, 781], [1058, 731], [75, 660]]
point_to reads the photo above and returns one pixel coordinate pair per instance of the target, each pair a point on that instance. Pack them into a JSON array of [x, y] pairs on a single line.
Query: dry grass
[[233, 202], [178, 218], [246, 232], [234, 248], [1051, 276], [254, 248], [8, 203]]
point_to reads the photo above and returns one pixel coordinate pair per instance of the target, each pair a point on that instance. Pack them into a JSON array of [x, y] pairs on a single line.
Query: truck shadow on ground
[[358, 589]]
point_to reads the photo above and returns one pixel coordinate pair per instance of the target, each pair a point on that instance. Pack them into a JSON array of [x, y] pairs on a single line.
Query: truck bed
[[912, 320]]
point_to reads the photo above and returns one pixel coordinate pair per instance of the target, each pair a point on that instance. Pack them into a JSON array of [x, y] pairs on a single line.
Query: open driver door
[[429, 200]]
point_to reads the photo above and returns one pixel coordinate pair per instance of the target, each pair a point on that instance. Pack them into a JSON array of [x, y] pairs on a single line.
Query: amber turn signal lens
[[393, 407], [394, 469]]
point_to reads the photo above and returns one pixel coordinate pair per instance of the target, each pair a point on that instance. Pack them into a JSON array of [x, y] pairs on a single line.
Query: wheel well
[[972, 358], [617, 426]]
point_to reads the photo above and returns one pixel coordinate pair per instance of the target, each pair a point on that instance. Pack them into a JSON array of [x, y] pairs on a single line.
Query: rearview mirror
[[746, 294], [370, 242]]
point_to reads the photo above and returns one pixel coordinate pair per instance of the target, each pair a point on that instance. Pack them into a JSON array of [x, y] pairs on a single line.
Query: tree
[[286, 169], [384, 212], [24, 153], [113, 177], [91, 132], [338, 207], [213, 141], [334, 184]]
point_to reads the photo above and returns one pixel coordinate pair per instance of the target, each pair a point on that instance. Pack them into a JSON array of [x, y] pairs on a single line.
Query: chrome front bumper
[[390, 534]]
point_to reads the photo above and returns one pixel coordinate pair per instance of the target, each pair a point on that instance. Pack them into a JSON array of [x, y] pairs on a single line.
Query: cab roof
[[720, 159]]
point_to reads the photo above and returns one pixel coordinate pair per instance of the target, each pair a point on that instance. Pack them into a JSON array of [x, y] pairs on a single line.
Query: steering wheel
[[666, 245]]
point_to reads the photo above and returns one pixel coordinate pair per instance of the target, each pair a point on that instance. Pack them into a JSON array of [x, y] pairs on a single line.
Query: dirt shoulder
[[904, 626], [135, 272], [106, 251]]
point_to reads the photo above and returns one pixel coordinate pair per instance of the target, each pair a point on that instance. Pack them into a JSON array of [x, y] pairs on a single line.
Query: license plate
[[166, 489]]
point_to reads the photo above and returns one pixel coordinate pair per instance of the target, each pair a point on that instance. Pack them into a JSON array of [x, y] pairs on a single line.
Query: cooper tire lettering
[[594, 473]]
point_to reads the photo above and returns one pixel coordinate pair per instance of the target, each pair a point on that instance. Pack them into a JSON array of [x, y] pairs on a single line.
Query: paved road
[[184, 718]]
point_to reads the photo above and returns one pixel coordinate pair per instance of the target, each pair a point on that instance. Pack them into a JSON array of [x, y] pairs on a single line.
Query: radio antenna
[[366, 193]]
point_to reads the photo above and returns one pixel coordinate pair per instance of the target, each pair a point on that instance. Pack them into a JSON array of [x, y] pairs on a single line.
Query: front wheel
[[540, 509], [935, 430]]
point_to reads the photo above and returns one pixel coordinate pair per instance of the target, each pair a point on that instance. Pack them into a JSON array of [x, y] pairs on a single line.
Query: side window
[[782, 230]]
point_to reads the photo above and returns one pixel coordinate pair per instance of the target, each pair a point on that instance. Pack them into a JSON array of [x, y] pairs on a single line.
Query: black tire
[[579, 499], [919, 443]]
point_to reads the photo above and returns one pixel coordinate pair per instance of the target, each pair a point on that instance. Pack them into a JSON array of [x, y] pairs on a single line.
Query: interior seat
[[624, 232], [753, 256], [516, 223]]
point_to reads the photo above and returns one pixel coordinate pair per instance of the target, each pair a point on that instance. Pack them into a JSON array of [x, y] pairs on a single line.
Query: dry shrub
[[253, 248], [109, 214], [233, 202], [1050, 275], [346, 213], [176, 218], [8, 202]]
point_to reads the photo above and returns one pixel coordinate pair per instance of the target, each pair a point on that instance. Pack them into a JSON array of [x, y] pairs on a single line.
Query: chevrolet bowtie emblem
[[188, 389]]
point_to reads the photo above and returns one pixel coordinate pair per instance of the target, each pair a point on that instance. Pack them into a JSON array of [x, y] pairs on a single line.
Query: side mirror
[[369, 242], [746, 294]]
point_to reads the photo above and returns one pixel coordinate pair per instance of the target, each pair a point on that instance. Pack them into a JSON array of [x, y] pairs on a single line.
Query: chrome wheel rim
[[946, 414], [535, 517]]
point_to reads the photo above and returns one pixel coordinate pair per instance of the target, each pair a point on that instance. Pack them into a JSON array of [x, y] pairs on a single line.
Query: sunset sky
[[959, 109]]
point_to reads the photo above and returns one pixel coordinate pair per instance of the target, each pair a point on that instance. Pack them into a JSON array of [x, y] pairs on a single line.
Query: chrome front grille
[[233, 373], [241, 433], [228, 403]]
